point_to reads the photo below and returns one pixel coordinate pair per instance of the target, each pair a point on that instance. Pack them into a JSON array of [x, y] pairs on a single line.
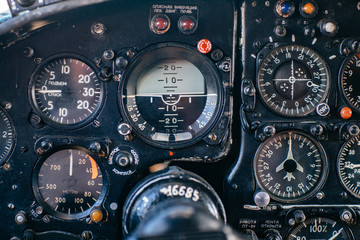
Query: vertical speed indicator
[[66, 91]]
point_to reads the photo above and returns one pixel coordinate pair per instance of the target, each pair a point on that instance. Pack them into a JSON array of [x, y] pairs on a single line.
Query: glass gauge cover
[[320, 228], [65, 91], [290, 166], [292, 80], [348, 166], [349, 80], [7, 139], [69, 183], [171, 96]]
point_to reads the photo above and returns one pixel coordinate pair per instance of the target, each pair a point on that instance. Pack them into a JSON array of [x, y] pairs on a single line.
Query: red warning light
[[204, 46]]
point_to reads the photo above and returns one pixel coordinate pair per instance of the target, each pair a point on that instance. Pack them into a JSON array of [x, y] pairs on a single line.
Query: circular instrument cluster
[[290, 166], [349, 80], [293, 80], [69, 183], [171, 96], [66, 91]]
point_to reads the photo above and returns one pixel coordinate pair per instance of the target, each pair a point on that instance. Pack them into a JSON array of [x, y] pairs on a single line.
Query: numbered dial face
[[171, 101], [290, 166], [293, 80], [66, 91], [69, 183], [349, 80], [7, 139], [348, 166], [320, 229]]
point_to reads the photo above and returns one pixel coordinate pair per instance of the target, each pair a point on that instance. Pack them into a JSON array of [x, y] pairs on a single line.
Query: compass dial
[[293, 80], [290, 166]]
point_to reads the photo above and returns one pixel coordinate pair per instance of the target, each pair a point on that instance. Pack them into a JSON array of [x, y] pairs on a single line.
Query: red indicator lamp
[[204, 46]]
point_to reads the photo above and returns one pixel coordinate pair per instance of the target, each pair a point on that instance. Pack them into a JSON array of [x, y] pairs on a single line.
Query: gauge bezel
[[342, 149], [34, 105], [13, 144], [47, 208], [331, 218], [319, 183], [205, 66], [341, 82], [272, 47]]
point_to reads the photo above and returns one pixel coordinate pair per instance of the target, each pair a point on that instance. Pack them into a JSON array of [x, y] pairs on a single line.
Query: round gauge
[[66, 91], [171, 96], [69, 183], [349, 80], [290, 166], [293, 80], [7, 138], [348, 166], [320, 228]]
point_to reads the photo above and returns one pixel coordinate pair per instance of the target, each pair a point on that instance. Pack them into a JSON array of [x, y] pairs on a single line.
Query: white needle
[[49, 91], [335, 235], [71, 163]]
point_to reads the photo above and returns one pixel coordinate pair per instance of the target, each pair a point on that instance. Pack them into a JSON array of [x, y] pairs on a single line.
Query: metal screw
[[6, 166], [28, 52], [113, 206], [317, 130], [299, 216], [234, 186], [14, 238], [86, 235], [267, 3], [39, 210], [7, 106], [291, 222], [46, 219], [108, 54], [262, 199], [121, 62], [212, 137], [354, 130], [96, 123], [124, 129], [37, 60], [249, 91], [346, 216], [130, 53], [129, 137], [35, 121], [95, 147], [20, 218], [344, 195], [346, 51], [14, 187], [358, 6], [320, 195], [24, 149], [217, 54], [11, 206], [257, 44], [269, 131], [98, 29], [46, 145]]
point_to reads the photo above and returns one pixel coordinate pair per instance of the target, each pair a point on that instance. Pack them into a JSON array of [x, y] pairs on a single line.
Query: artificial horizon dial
[[290, 166], [348, 166], [171, 96], [66, 91], [293, 80], [69, 182], [349, 80], [320, 228]]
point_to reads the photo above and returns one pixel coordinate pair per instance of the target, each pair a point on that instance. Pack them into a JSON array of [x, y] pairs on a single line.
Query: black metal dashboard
[[258, 99]]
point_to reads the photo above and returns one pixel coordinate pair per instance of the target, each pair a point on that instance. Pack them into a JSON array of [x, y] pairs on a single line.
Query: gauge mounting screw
[[46, 145], [121, 62], [130, 53], [95, 147], [6, 166], [28, 52], [35, 121], [98, 29], [212, 137], [291, 222], [108, 54], [124, 129], [86, 235], [299, 216], [20, 218], [354, 130], [217, 54], [39, 210], [11, 206], [317, 130], [320, 195], [225, 66], [269, 131], [105, 73], [346, 216]]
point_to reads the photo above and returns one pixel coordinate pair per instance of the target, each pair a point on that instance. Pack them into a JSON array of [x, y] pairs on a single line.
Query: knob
[[25, 3], [261, 199], [328, 27], [123, 159]]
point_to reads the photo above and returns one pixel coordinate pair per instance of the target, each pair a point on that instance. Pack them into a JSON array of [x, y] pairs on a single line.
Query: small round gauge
[[293, 80], [290, 166], [66, 91], [171, 95], [348, 166], [349, 80], [7, 138], [320, 228], [69, 183]]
